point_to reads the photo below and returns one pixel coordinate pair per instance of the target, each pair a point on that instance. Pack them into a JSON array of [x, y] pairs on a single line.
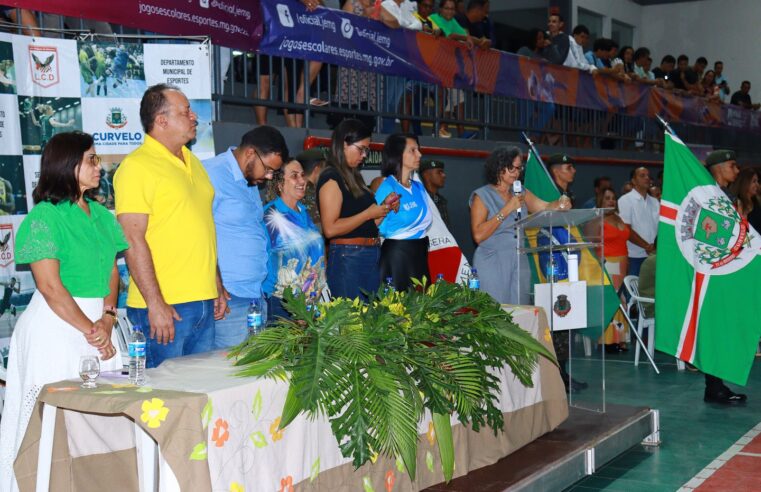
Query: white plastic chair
[[632, 287]]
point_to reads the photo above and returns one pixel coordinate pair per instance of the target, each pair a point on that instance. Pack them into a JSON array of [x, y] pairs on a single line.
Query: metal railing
[[260, 85]]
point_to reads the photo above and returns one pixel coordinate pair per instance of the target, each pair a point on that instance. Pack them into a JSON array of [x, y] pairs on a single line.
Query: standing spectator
[[537, 42], [642, 71], [70, 242], [473, 20], [708, 84], [349, 214], [578, 41], [400, 13], [452, 30], [745, 189], [404, 254], [683, 77], [639, 210], [700, 66], [721, 81], [599, 56], [627, 58], [742, 97], [560, 43], [239, 223], [163, 202], [667, 65], [356, 88], [296, 248], [434, 178], [600, 183], [312, 162], [722, 165], [615, 233]]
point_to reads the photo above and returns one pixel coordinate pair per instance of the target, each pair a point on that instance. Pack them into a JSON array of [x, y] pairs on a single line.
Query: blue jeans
[[352, 269], [634, 265], [394, 90], [233, 329], [192, 335]]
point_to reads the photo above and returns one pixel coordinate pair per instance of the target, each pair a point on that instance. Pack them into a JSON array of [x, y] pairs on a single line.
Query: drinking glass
[[89, 370]]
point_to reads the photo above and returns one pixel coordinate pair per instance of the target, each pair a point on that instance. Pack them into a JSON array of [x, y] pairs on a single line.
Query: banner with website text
[[49, 86], [340, 38], [231, 23]]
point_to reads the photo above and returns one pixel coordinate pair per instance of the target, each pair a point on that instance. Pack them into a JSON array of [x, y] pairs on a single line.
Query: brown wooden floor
[[582, 428]]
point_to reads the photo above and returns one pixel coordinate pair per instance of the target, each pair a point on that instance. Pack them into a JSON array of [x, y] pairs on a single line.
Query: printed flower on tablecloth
[[390, 479], [154, 412], [286, 484], [274, 432], [220, 434], [547, 335], [431, 434], [236, 487]]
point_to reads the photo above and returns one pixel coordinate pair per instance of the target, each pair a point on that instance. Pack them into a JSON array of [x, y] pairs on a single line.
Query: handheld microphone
[[518, 191]]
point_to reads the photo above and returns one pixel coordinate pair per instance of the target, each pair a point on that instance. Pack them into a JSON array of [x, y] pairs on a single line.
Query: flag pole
[[666, 126], [532, 150]]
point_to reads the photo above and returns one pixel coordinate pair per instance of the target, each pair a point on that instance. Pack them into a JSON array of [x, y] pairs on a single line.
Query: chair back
[[632, 285]]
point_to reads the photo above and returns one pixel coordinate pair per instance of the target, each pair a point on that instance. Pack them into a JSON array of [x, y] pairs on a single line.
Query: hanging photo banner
[[49, 86]]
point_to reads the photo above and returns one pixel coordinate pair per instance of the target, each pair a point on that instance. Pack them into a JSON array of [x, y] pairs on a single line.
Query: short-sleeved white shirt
[[403, 13], [641, 213]]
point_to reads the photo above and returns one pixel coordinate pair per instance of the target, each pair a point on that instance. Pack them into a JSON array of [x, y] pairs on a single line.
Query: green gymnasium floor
[[693, 433]]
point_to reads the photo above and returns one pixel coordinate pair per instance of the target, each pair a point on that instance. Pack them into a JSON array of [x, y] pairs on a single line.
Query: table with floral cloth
[[219, 432]]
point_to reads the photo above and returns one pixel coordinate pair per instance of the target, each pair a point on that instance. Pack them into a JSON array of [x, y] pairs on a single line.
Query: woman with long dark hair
[[71, 242], [745, 188], [404, 254], [349, 213]]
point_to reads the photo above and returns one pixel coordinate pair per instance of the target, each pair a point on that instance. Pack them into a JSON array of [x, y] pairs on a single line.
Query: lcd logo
[[43, 62]]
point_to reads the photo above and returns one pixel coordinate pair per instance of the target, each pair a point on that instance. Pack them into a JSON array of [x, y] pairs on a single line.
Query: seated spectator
[[560, 43], [537, 42], [667, 65], [721, 81], [742, 97], [683, 77], [24, 17], [708, 84], [423, 14], [577, 42], [600, 183], [473, 22]]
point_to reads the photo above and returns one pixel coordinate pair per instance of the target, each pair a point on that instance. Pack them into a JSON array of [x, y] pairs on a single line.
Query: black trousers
[[402, 260], [713, 384]]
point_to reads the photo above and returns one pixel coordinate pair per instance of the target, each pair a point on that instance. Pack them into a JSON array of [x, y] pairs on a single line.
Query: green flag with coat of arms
[[707, 303]]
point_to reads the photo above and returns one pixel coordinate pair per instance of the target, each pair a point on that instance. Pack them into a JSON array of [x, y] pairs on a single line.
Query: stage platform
[[555, 461]]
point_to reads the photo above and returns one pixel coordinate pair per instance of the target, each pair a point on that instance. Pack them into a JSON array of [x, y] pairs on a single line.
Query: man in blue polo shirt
[[238, 218]]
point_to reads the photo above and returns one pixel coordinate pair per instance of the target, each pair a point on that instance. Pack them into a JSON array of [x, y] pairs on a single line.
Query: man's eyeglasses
[[362, 149], [267, 169]]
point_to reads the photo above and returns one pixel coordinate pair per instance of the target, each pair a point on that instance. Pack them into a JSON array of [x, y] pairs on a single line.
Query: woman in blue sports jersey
[[404, 254]]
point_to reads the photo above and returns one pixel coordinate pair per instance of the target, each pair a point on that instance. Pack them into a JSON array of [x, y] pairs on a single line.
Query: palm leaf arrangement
[[372, 369]]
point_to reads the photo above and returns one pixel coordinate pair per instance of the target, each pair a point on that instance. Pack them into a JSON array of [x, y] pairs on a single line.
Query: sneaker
[[318, 102], [444, 133]]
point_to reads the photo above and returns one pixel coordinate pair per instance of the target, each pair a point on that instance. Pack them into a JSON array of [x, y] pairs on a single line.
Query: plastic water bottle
[[474, 283], [136, 348], [389, 288], [312, 305], [440, 278], [254, 320]]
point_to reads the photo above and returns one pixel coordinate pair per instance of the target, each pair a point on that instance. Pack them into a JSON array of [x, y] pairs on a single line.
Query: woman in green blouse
[[71, 242]]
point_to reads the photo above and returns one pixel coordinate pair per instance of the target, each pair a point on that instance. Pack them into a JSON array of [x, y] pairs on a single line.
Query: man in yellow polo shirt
[[163, 202]]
